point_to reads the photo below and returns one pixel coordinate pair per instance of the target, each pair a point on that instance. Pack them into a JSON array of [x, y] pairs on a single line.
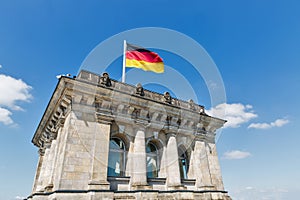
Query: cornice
[[116, 101]]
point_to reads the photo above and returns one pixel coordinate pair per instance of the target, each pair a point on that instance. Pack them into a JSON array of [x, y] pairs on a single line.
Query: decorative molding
[[109, 100]]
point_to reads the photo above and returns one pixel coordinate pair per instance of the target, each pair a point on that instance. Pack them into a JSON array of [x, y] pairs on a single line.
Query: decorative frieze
[[109, 108]]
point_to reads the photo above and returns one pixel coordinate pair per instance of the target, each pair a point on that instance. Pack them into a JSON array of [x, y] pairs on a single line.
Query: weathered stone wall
[[82, 117]]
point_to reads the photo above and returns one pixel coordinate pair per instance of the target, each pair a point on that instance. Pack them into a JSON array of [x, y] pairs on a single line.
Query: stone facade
[[166, 146]]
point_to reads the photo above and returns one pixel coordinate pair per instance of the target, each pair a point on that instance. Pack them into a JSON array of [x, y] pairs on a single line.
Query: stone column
[[100, 151], [139, 168], [55, 146], [37, 179], [42, 180], [214, 166], [172, 164], [61, 159], [130, 156], [50, 167], [129, 132], [199, 167], [163, 171]]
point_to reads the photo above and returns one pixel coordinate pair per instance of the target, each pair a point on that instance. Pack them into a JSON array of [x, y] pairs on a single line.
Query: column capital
[[171, 134], [141, 125], [41, 151], [199, 138], [104, 119]]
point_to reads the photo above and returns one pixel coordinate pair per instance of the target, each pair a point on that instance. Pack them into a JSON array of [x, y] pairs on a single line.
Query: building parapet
[[107, 100]]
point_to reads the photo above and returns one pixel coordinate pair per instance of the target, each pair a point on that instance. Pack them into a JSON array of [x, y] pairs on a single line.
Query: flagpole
[[124, 62]]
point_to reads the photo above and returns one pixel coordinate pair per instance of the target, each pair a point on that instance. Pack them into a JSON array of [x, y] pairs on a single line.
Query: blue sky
[[255, 45]]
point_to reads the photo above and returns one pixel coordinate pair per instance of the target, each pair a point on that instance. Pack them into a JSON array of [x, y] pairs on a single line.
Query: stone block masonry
[[102, 139]]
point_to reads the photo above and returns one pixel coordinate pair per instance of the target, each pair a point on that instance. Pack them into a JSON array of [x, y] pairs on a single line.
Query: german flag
[[139, 57]]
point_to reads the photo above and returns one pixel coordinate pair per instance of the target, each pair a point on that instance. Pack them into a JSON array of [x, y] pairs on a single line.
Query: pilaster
[[100, 153], [130, 153], [40, 187], [214, 166], [199, 166], [49, 171], [37, 179], [55, 147], [64, 133], [163, 171], [172, 164], [139, 166]]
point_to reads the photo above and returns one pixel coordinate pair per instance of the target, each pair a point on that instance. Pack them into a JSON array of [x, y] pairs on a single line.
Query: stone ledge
[[98, 185], [141, 187], [146, 194]]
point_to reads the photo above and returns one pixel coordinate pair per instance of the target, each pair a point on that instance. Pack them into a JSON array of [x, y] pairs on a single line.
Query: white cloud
[[250, 193], [0, 66], [19, 197], [276, 123], [235, 114], [235, 155], [5, 116], [13, 91]]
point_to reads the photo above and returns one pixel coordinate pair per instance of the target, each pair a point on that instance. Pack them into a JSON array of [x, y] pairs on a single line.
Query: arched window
[[116, 158], [152, 160], [183, 164]]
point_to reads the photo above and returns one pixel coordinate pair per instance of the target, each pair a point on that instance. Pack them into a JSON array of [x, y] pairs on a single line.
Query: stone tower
[[103, 139]]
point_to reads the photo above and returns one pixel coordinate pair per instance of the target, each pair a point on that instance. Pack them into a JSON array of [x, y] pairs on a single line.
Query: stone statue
[[167, 98], [105, 80], [202, 111], [139, 90], [192, 105]]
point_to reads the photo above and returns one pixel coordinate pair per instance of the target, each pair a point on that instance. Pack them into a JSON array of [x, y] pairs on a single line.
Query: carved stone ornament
[[136, 113], [139, 90], [167, 98], [105, 80]]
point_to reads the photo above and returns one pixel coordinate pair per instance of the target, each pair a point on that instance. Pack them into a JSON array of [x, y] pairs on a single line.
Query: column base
[[176, 187], [98, 185], [48, 188], [141, 187], [205, 188]]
